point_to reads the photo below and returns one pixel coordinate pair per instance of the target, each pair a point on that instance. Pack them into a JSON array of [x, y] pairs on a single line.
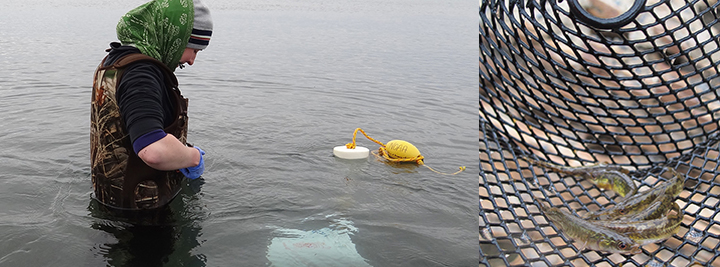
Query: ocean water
[[281, 84]]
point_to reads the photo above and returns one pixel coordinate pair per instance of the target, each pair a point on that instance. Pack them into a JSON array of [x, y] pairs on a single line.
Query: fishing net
[[631, 83]]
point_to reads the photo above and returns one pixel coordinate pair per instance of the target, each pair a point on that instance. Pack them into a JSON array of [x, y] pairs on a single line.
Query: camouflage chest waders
[[120, 178]]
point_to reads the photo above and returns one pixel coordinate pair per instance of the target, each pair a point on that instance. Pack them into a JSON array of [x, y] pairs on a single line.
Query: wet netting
[[575, 83]]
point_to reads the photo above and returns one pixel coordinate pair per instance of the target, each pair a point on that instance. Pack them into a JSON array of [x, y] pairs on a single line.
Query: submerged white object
[[345, 153], [328, 246]]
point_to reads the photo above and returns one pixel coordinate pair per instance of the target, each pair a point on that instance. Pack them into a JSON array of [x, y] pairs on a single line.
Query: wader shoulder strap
[[137, 57]]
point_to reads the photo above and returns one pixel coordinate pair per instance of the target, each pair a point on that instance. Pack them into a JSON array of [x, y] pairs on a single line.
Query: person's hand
[[194, 172]]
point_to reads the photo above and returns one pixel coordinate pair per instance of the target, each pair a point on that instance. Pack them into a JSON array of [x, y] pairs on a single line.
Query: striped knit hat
[[202, 27]]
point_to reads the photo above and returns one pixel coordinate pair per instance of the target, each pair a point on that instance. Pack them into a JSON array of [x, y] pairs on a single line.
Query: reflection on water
[[328, 246], [165, 237]]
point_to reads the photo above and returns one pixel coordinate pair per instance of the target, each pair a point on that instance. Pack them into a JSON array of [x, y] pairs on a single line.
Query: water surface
[[280, 85]]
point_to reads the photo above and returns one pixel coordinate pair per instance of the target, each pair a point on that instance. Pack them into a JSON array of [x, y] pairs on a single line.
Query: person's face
[[188, 56]]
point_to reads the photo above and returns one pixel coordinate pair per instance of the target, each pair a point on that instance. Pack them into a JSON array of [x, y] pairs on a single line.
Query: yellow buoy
[[394, 151], [399, 149]]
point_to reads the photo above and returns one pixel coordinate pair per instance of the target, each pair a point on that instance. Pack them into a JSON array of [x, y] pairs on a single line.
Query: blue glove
[[194, 172]]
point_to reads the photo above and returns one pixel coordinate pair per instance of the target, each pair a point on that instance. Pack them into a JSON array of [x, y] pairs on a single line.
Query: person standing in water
[[139, 154]]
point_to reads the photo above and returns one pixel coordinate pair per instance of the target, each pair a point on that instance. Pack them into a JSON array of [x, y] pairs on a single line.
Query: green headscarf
[[159, 28]]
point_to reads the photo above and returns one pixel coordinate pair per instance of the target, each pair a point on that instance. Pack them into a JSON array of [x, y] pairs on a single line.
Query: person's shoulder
[[118, 51], [143, 70]]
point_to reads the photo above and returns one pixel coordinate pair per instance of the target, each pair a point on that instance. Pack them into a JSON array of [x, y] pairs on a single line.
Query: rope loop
[[352, 145]]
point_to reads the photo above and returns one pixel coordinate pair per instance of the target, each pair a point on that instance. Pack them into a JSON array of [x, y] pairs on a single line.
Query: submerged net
[[632, 83]]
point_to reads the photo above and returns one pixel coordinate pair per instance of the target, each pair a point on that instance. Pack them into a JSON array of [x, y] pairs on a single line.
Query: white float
[[345, 153]]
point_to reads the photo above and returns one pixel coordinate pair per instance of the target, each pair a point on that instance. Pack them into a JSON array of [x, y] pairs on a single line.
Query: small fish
[[647, 231], [590, 235], [636, 203], [657, 209], [608, 177]]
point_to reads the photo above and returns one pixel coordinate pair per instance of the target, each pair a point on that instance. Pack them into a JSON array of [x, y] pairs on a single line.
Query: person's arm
[[169, 154], [141, 95]]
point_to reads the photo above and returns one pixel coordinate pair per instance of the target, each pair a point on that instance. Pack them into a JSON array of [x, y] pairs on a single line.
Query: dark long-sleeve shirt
[[143, 99]]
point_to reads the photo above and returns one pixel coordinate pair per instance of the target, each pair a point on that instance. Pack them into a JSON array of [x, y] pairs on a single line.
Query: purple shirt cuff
[[147, 139]]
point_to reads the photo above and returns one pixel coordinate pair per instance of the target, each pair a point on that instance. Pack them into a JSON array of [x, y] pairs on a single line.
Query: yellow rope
[[382, 152], [352, 145], [462, 168]]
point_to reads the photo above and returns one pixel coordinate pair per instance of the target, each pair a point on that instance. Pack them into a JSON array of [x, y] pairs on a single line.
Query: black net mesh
[[561, 87]]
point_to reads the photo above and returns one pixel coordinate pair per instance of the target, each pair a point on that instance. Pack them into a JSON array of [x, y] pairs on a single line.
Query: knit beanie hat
[[202, 27]]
